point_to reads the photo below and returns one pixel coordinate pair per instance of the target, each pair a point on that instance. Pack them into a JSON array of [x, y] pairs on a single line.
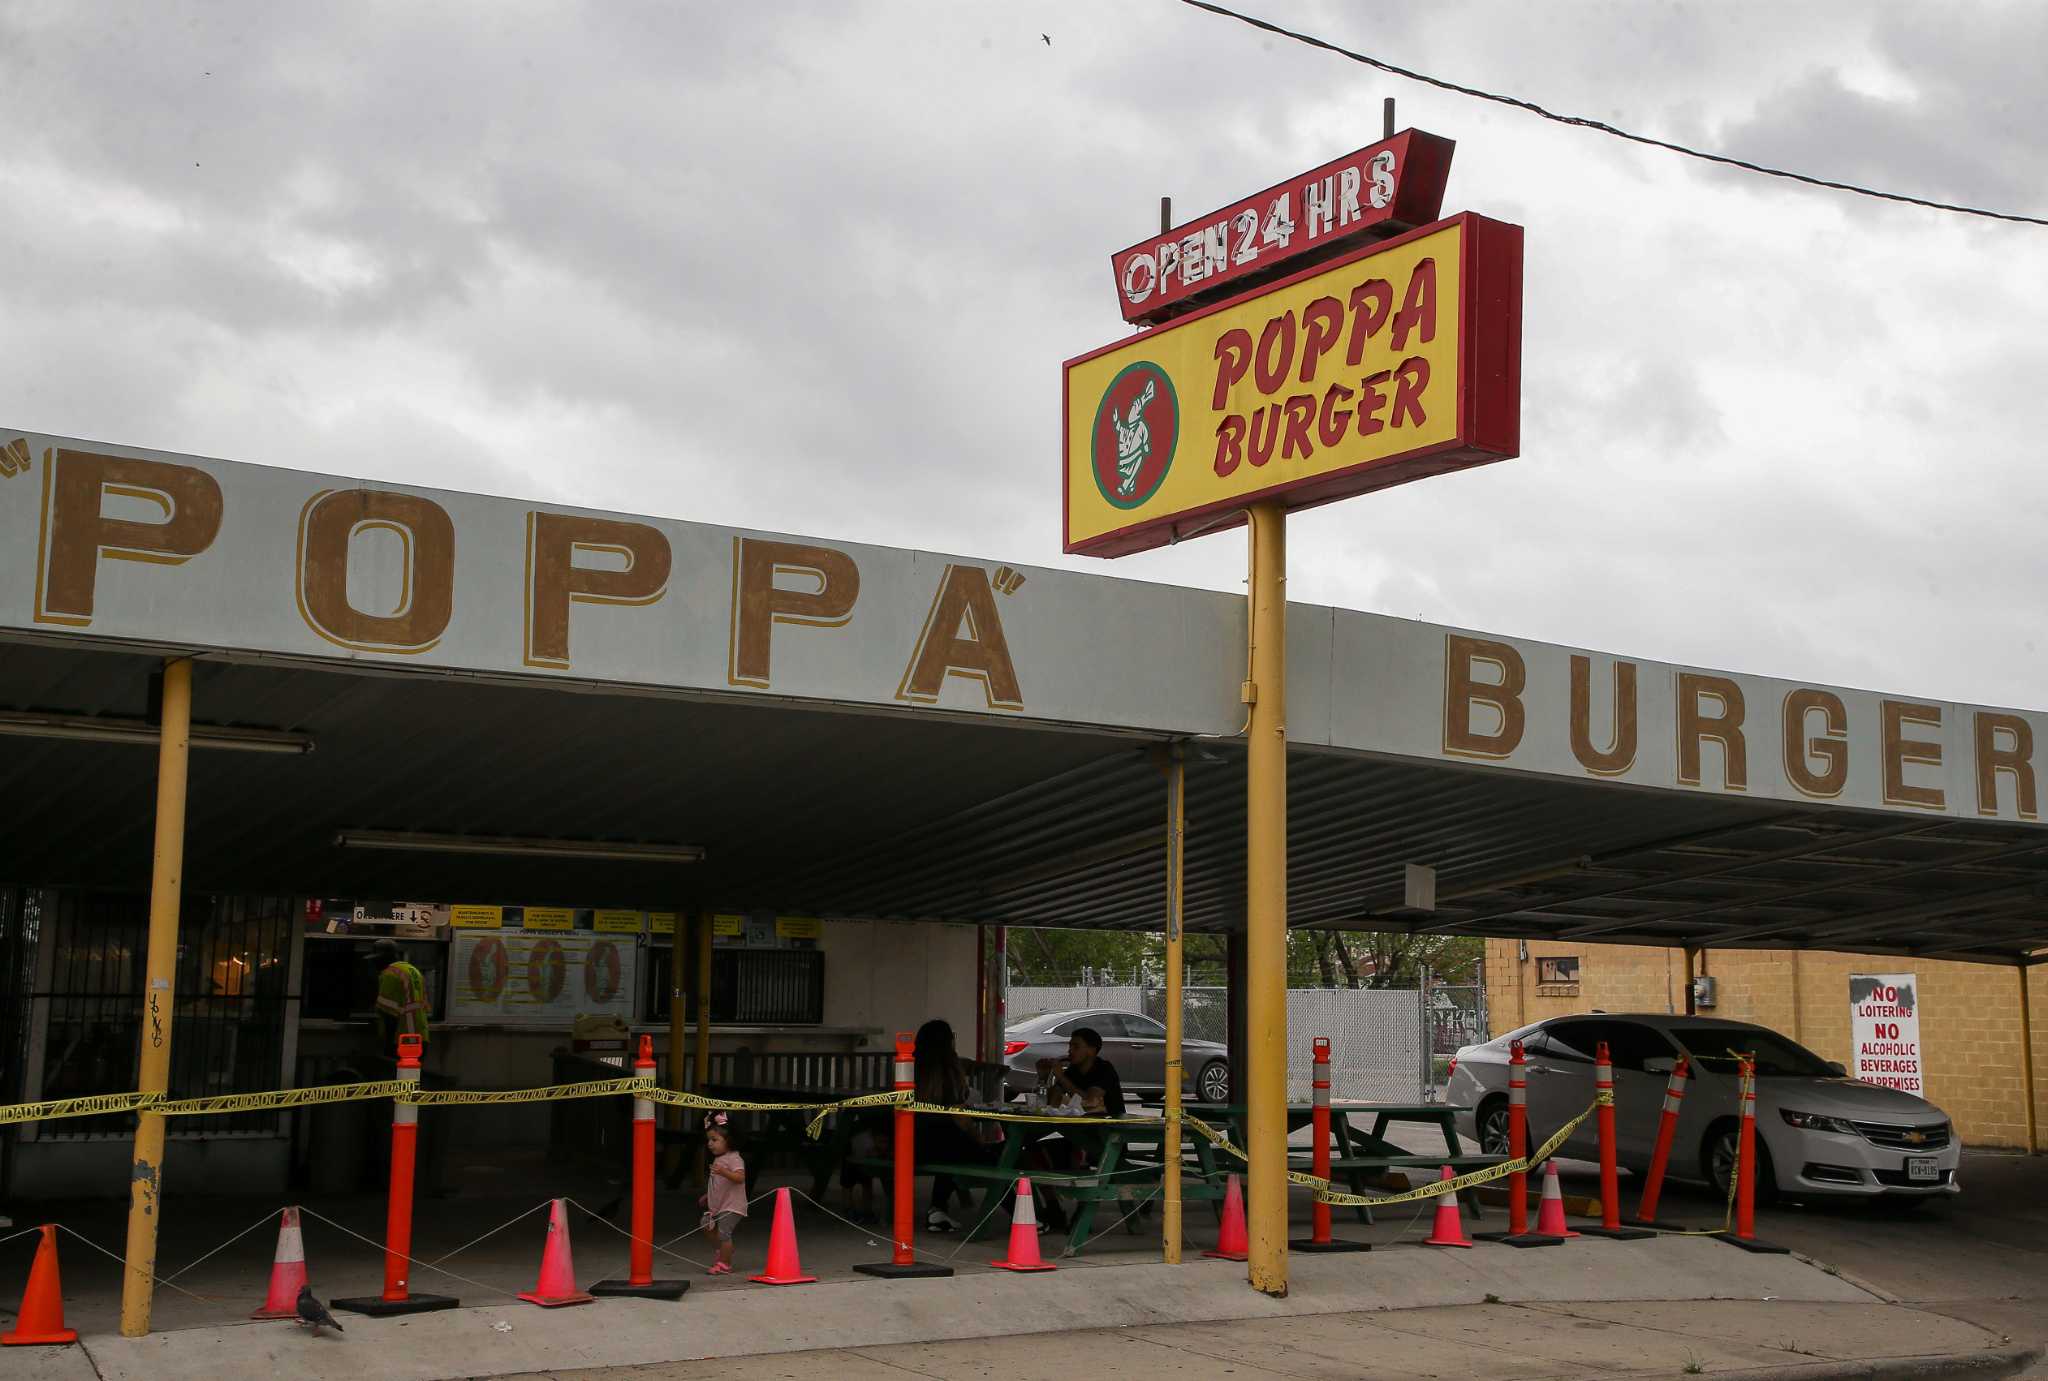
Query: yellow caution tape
[[1328, 1194], [90, 1106]]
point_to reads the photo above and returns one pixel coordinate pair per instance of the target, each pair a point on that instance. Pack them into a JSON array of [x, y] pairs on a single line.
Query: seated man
[[1086, 1076], [1093, 1082]]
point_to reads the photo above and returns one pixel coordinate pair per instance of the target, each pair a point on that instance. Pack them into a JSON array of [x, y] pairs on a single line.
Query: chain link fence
[[1381, 1039]]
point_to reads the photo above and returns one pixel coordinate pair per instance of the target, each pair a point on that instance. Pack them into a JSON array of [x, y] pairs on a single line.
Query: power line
[[1602, 126]]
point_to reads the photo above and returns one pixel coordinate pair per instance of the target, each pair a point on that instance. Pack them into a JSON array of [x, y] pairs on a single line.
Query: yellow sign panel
[[1396, 362], [617, 922], [729, 925], [548, 918], [476, 917], [661, 922], [799, 928]]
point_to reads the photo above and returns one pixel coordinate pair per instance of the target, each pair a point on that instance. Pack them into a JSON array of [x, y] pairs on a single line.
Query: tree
[[1315, 958]]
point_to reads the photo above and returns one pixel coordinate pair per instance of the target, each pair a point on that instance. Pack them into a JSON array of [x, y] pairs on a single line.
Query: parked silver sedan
[[1131, 1041], [1818, 1131]]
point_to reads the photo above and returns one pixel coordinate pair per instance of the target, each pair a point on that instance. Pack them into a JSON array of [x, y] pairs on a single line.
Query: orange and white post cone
[[1610, 1171], [1449, 1230], [1023, 1255], [1320, 1239], [1550, 1209], [556, 1284], [41, 1317], [1518, 1234], [405, 1134], [640, 1281], [1667, 1132], [1744, 1235], [287, 1270], [903, 1263], [785, 1266], [1233, 1240]]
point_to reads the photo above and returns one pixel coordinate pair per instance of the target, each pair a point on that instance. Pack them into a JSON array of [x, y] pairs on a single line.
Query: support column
[[700, 1064], [167, 880], [678, 1024], [1176, 854], [1692, 959], [2027, 1098], [1266, 906]]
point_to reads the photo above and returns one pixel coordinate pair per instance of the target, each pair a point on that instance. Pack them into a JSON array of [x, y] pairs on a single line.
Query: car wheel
[[1722, 1147], [1213, 1084], [1493, 1126]]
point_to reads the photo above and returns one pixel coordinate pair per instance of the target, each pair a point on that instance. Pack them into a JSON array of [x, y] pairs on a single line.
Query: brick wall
[[1969, 1013]]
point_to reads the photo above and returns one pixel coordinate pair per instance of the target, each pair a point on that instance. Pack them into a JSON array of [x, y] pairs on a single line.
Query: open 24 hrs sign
[[1394, 362]]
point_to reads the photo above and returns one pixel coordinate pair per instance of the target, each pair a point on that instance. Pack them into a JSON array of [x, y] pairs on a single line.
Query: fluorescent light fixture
[[109, 729], [530, 848]]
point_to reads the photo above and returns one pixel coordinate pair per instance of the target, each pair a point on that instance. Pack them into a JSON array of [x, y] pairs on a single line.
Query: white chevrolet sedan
[[1818, 1131]]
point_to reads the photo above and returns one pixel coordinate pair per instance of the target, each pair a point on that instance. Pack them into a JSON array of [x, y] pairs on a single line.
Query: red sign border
[[1424, 171], [1488, 403]]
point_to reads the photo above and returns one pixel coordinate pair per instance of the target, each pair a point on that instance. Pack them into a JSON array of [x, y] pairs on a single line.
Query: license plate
[[1922, 1168]]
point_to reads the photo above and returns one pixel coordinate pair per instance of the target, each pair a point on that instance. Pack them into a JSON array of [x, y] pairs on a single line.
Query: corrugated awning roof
[[916, 815]]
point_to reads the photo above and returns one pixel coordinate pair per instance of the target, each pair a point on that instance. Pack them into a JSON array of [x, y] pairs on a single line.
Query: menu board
[[539, 979]]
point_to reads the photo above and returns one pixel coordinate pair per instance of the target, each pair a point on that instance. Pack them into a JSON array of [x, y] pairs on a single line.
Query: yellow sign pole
[[1266, 904], [145, 1191], [1176, 855]]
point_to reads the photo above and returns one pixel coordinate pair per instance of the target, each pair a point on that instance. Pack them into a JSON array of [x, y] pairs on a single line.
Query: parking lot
[[1980, 1256]]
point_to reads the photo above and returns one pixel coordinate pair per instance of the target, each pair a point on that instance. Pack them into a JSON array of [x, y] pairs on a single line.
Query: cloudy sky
[[815, 267]]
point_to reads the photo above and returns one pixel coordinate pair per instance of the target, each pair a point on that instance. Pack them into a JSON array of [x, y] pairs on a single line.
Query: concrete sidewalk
[[1594, 1307], [1530, 1342]]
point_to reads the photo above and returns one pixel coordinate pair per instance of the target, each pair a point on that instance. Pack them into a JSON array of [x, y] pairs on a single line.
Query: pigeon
[[312, 1311]]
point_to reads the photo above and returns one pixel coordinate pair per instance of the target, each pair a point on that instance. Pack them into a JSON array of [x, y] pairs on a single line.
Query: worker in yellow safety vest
[[401, 997]]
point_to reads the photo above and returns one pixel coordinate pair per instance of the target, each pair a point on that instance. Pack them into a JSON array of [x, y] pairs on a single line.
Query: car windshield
[[1715, 1047]]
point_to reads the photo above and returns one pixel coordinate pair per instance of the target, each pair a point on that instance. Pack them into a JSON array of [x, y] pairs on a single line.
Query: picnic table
[[1356, 1154], [1128, 1169]]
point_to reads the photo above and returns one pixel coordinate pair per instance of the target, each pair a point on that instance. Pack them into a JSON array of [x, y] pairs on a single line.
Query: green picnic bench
[[1357, 1155], [1122, 1174]]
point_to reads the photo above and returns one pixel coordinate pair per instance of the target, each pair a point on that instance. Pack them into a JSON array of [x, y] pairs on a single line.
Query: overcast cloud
[[815, 267]]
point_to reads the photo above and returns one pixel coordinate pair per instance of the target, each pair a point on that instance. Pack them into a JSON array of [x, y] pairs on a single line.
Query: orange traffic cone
[[784, 1267], [1232, 1242], [1024, 1234], [1550, 1212], [557, 1284], [1450, 1228], [42, 1305], [287, 1271]]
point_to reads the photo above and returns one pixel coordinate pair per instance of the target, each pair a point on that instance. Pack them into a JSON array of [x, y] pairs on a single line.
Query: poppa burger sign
[[1396, 361]]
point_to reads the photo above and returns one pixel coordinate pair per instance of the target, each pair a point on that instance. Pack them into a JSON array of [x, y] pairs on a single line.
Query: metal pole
[[1387, 116], [1266, 905], [981, 1008], [701, 1062], [1176, 856], [145, 1189], [1692, 957], [678, 1017], [2027, 1097]]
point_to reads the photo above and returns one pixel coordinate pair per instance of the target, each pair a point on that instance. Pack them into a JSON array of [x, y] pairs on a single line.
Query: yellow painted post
[[2027, 1065], [701, 1064], [1266, 906], [1176, 842], [678, 1015], [145, 1189]]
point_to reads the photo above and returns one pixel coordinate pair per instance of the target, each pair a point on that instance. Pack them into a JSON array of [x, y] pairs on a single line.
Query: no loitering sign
[[1884, 1023]]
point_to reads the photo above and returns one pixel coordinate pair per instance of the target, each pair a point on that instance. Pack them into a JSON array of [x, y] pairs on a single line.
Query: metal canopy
[[916, 815]]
